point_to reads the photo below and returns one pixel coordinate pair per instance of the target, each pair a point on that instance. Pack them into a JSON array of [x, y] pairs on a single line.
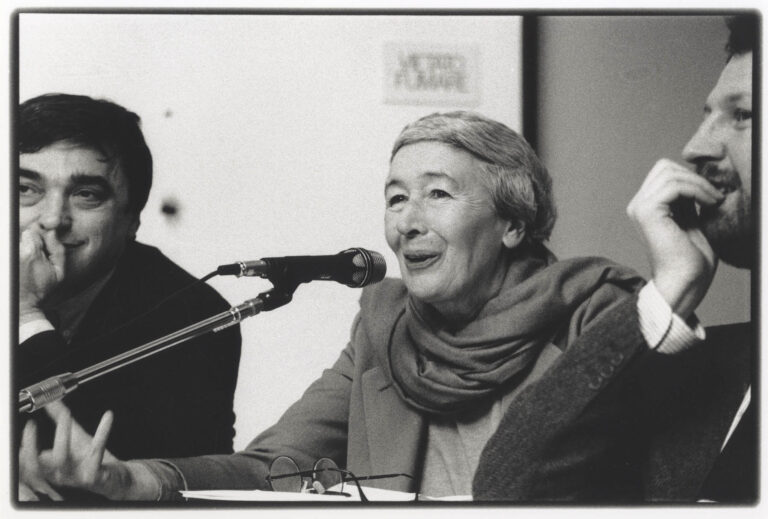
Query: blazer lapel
[[682, 457], [395, 433], [686, 454]]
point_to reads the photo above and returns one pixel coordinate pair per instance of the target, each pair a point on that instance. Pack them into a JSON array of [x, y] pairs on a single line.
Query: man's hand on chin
[[41, 269], [682, 261]]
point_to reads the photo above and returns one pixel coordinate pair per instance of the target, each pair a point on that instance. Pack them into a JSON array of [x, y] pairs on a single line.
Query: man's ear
[[134, 226], [514, 235]]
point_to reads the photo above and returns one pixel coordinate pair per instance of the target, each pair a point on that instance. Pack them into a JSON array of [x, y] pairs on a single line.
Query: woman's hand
[[76, 460], [682, 261]]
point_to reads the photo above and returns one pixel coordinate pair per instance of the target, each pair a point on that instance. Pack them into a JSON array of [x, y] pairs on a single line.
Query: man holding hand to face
[[649, 406], [89, 291]]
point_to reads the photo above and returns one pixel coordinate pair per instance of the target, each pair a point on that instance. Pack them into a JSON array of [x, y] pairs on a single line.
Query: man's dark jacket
[[612, 421], [175, 403]]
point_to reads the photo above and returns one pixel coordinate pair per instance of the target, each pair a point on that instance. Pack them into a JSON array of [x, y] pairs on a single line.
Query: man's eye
[[439, 193], [29, 194], [88, 197], [741, 115], [86, 194], [394, 200], [26, 190]]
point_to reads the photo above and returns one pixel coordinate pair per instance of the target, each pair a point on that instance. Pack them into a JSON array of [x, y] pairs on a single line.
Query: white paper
[[259, 495], [373, 494]]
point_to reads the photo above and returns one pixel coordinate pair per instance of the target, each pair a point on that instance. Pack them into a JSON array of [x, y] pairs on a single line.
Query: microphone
[[354, 267]]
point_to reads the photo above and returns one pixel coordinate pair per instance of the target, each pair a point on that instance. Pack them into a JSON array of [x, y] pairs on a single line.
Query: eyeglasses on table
[[285, 476]]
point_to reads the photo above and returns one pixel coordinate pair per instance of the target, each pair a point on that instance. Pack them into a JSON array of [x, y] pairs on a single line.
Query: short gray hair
[[520, 186]]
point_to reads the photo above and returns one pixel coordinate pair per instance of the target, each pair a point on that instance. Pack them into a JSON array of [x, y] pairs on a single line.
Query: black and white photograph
[[418, 259]]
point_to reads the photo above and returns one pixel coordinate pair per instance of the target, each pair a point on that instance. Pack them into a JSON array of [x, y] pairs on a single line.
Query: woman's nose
[[707, 144], [411, 221]]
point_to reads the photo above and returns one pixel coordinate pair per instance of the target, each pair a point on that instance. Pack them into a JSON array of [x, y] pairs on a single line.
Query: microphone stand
[[38, 395]]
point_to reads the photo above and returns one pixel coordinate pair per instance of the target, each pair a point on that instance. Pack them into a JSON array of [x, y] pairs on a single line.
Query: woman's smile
[[420, 260]]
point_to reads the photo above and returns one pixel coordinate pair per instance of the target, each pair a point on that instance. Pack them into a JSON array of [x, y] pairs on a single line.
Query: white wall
[[271, 134]]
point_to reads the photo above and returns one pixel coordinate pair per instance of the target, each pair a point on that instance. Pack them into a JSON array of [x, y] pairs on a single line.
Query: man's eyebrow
[[738, 96], [97, 181], [83, 179], [28, 173], [729, 99]]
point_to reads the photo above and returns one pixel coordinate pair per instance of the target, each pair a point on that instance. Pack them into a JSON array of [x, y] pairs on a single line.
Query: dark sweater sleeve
[[565, 437]]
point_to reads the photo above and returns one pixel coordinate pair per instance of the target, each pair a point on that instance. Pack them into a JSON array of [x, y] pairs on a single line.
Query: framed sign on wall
[[432, 73]]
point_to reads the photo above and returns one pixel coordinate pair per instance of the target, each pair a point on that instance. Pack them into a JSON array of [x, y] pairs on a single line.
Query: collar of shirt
[[736, 419]]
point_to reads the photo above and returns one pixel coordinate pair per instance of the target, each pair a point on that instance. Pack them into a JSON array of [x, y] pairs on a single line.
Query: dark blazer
[[175, 403], [612, 421]]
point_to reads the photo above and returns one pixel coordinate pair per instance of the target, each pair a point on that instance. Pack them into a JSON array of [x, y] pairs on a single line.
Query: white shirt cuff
[[662, 329], [38, 325]]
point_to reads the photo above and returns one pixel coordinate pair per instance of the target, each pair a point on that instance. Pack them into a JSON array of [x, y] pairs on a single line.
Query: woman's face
[[441, 223]]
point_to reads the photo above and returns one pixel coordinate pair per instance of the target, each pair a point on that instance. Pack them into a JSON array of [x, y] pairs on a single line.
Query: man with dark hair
[[89, 291], [648, 405], [742, 37]]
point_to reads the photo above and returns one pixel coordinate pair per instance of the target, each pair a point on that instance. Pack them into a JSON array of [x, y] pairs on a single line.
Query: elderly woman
[[483, 309]]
